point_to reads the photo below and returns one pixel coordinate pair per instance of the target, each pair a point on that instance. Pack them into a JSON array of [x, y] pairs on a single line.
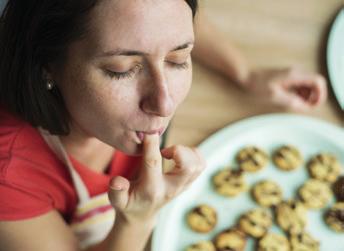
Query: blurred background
[[270, 34]]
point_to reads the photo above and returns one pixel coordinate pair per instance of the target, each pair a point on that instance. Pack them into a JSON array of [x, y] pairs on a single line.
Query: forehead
[[150, 26]]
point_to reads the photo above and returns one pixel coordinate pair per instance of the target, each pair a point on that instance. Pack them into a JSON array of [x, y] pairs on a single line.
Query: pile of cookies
[[290, 215]]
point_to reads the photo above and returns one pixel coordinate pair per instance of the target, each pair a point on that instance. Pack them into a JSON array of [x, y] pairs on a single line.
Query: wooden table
[[270, 33]]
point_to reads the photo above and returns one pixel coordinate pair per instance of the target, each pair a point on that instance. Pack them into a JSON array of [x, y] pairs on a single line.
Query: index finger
[[152, 160]]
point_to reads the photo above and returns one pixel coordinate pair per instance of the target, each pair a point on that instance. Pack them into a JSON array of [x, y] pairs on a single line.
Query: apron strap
[[56, 146]]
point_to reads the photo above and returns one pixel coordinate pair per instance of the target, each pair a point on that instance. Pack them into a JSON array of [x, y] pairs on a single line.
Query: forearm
[[213, 50], [125, 236]]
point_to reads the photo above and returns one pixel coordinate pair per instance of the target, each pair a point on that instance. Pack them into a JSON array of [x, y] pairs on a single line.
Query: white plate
[[335, 57], [309, 135]]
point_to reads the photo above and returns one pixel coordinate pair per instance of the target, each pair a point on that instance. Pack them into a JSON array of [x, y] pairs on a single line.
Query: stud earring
[[50, 84]]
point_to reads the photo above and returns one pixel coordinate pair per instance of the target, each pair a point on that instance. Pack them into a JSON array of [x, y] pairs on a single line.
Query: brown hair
[[34, 33]]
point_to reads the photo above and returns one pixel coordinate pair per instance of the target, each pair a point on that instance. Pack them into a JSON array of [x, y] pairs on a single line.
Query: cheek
[[180, 85], [91, 95], [82, 91]]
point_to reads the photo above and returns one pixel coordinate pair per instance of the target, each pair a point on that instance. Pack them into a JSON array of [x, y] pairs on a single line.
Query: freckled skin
[[111, 110]]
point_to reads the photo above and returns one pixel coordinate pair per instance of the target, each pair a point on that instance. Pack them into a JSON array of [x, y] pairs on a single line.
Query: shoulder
[[30, 171], [10, 127], [20, 142]]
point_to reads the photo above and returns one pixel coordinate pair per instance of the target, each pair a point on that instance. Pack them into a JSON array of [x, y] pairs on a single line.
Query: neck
[[89, 151]]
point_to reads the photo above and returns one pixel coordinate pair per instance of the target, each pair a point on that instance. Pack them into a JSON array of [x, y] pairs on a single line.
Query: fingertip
[[163, 150], [319, 93], [323, 92], [324, 96], [167, 153], [119, 183], [321, 79]]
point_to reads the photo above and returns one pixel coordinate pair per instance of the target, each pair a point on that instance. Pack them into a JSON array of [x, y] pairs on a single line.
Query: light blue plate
[[309, 135], [335, 57]]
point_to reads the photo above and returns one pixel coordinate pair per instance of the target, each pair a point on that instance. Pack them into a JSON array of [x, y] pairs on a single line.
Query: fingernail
[[117, 188]]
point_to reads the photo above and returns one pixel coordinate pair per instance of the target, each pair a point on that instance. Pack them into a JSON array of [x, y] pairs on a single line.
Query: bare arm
[[213, 50], [50, 232], [46, 232], [290, 88], [126, 237]]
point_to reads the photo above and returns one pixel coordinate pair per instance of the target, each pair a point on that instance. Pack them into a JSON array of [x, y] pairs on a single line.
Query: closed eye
[[123, 75], [130, 73], [179, 66]]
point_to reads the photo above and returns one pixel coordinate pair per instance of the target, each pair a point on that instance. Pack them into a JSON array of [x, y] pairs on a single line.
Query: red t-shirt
[[34, 181]]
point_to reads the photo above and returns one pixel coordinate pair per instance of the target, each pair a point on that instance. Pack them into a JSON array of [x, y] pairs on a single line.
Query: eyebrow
[[123, 52]]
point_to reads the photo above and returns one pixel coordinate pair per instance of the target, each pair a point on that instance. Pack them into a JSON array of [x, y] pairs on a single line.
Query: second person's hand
[[289, 88]]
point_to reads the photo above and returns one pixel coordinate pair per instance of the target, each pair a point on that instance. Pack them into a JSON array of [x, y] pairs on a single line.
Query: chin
[[131, 149]]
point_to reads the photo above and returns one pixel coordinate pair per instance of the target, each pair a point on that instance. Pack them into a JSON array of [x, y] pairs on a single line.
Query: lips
[[141, 134]]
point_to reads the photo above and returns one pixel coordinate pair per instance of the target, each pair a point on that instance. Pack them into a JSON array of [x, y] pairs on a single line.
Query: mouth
[[141, 134]]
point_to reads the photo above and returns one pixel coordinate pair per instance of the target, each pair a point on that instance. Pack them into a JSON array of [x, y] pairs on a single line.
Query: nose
[[157, 100]]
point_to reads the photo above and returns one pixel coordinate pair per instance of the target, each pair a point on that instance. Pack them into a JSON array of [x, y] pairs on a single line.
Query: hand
[[288, 88], [140, 200]]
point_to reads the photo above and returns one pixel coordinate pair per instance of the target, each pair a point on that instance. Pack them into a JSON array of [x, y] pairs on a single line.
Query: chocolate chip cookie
[[201, 246], [256, 222], [338, 188], [252, 159], [325, 167], [273, 242], [229, 182], [267, 193], [315, 194], [303, 241], [287, 158], [202, 218], [231, 239], [335, 217], [291, 216]]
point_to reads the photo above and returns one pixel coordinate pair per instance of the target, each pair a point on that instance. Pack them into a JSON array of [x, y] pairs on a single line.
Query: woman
[[103, 75], [79, 79]]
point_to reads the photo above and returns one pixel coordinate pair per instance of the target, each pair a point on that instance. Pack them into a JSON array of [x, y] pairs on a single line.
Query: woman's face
[[129, 73]]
